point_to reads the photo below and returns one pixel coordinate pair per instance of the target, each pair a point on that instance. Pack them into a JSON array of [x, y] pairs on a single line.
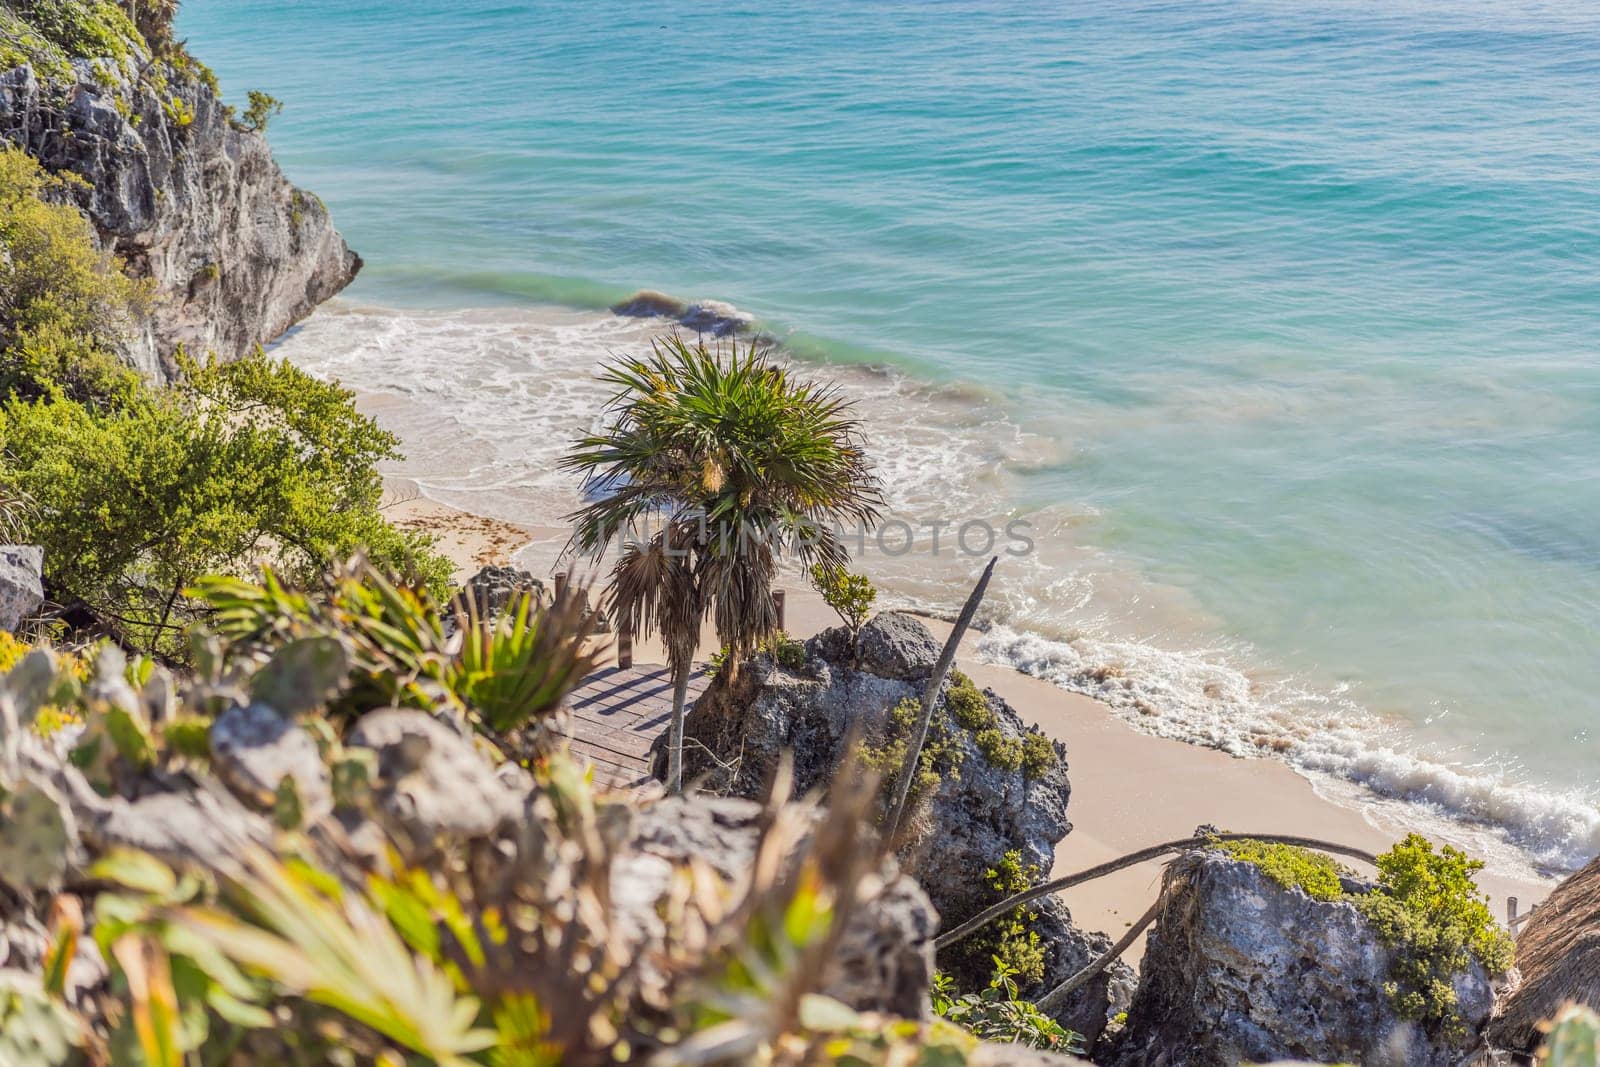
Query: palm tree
[[711, 465]]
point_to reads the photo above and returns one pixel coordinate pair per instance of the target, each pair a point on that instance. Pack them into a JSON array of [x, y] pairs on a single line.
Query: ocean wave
[[1202, 699], [486, 401]]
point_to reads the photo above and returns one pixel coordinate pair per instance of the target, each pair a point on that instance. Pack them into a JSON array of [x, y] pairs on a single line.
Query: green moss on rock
[[1290, 866]]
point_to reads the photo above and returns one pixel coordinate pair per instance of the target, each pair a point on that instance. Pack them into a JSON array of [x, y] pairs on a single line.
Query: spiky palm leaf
[[736, 463]]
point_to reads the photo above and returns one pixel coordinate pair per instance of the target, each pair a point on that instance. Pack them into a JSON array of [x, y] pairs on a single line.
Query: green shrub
[[1001, 751], [1290, 866], [83, 29], [941, 755], [1008, 946], [263, 107], [240, 464], [64, 306], [1033, 753], [997, 1014], [785, 651], [1427, 910], [1039, 755], [967, 705], [850, 595]]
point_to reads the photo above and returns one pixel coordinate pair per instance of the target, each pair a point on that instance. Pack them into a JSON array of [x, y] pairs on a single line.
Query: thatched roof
[[1558, 954]]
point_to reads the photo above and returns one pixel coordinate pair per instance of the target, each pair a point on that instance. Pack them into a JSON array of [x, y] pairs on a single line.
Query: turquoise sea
[[1279, 322]]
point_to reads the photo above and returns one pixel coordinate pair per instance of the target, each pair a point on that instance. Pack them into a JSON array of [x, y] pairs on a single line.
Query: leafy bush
[[64, 305], [997, 1014], [1039, 755], [1429, 913], [850, 595], [1033, 753], [1290, 866], [784, 650], [886, 755], [261, 111], [1009, 944], [240, 464], [362, 642]]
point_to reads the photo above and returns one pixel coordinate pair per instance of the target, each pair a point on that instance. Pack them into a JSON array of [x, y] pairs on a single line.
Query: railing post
[[778, 598], [624, 650], [561, 584]]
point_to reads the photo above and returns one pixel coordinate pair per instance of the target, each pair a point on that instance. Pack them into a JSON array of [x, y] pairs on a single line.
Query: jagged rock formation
[[1558, 957], [21, 584], [237, 254], [738, 731], [1239, 969], [884, 961]]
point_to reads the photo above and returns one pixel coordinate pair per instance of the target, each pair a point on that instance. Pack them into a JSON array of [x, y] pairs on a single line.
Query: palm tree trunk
[[680, 697]]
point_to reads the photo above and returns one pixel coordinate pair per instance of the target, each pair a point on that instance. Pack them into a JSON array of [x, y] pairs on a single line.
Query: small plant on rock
[[850, 595], [998, 1014], [1427, 910], [263, 108]]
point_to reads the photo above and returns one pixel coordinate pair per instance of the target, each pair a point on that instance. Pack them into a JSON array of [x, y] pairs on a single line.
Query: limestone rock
[[1558, 957], [971, 821], [896, 645], [1240, 970], [431, 781], [884, 961], [237, 253], [492, 588], [205, 827], [253, 748], [21, 588]]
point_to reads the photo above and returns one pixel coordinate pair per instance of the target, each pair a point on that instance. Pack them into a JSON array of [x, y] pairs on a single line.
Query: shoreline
[[1129, 788]]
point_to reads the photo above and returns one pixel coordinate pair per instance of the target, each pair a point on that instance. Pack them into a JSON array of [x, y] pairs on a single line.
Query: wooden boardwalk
[[617, 713]]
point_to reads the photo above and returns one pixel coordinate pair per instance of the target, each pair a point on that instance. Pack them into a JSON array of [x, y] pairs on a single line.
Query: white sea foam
[[486, 401], [1199, 697]]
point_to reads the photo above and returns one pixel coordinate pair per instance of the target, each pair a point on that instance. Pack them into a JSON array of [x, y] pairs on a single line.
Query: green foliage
[[784, 650], [239, 464], [742, 462], [1039, 755], [850, 595], [1001, 751], [736, 463], [1290, 866], [1429, 913], [362, 642], [263, 107], [1573, 1040], [997, 1014], [64, 305], [886, 755], [1009, 945], [1032, 753], [967, 705], [46, 33]]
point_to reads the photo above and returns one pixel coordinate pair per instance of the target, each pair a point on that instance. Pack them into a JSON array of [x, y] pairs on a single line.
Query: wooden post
[[561, 584], [624, 650], [778, 598]]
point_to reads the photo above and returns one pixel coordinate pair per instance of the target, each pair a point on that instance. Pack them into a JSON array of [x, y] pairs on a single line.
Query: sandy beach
[[1129, 789]]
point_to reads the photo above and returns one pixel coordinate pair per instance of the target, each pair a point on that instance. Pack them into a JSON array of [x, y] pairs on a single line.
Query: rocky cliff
[[178, 189]]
